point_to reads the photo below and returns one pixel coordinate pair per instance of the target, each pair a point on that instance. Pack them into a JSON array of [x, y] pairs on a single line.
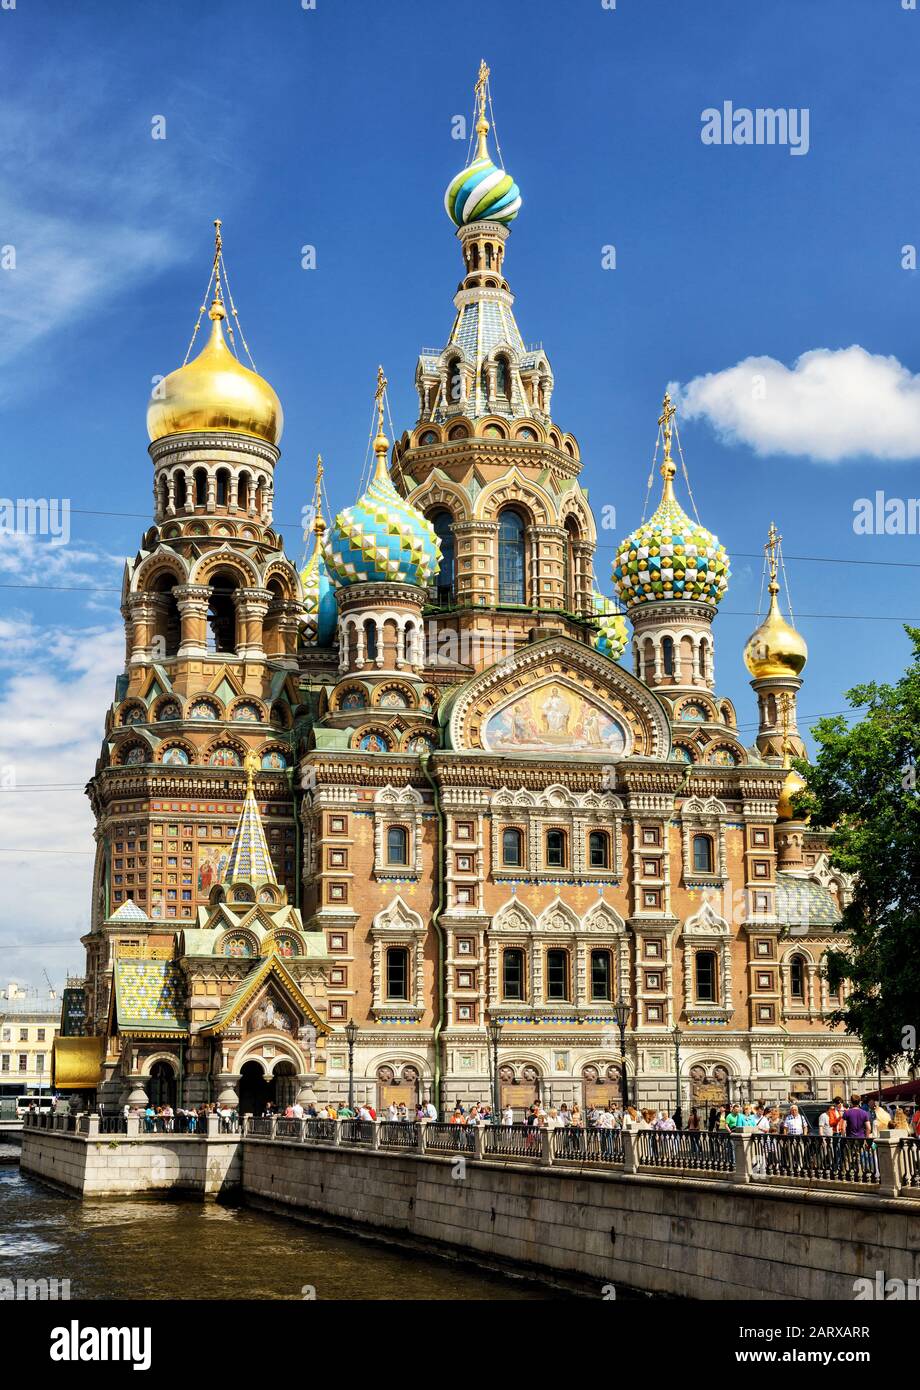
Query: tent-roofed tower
[[486, 463]]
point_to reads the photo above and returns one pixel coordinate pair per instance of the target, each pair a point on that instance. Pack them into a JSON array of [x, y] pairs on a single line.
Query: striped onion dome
[[612, 636], [482, 193], [670, 557], [382, 537]]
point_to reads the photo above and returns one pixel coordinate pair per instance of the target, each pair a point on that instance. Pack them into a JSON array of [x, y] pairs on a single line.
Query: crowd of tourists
[[163, 1119]]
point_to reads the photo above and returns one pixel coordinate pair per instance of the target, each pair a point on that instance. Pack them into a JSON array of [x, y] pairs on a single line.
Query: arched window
[[222, 612], [201, 487], [398, 972], [704, 965], [667, 655], [502, 384], [168, 623], [557, 974], [511, 586], [599, 849], [601, 975], [442, 524], [242, 491], [180, 490], [223, 487], [702, 854], [512, 848], [797, 979], [555, 849], [571, 571], [397, 845], [370, 640], [513, 973]]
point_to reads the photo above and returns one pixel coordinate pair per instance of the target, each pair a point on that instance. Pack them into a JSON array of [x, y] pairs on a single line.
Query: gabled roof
[[128, 912], [246, 990]]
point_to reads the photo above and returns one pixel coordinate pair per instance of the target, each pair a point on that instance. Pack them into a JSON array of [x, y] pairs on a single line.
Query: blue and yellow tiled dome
[[612, 636], [482, 192], [669, 556], [382, 538], [320, 607]]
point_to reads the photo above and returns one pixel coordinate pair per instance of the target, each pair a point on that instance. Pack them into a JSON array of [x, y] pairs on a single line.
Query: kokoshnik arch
[[304, 816]]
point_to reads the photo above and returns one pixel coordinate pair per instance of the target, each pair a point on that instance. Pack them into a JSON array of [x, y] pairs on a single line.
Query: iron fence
[[323, 1130], [398, 1134], [444, 1138], [357, 1131], [513, 1141], [261, 1124], [286, 1128], [832, 1158], [697, 1150]]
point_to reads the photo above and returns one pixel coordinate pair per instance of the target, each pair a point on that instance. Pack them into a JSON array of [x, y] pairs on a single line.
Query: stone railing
[[887, 1167], [90, 1126]]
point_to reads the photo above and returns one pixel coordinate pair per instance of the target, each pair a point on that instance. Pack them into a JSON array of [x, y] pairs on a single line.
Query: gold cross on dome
[[771, 547], [378, 397], [481, 84]]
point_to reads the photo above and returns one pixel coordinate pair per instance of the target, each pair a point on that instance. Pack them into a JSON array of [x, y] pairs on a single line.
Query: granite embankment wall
[[702, 1239], [114, 1165]]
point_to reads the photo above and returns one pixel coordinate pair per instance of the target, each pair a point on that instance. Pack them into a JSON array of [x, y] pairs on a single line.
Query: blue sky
[[332, 127]]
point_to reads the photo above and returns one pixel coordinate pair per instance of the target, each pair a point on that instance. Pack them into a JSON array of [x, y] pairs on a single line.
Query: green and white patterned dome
[[612, 635]]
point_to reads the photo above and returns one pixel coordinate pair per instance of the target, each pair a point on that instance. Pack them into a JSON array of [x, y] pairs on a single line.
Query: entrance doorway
[[161, 1087], [255, 1090]]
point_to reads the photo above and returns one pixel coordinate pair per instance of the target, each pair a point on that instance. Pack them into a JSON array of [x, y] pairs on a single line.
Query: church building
[[440, 778]]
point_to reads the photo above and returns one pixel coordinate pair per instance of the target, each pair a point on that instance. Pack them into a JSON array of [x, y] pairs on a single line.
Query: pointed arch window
[[511, 567]]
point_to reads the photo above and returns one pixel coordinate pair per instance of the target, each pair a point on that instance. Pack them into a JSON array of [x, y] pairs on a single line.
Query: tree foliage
[[864, 784]]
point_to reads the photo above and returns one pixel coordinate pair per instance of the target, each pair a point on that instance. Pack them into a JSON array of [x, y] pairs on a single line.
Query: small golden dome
[[215, 392], [793, 784], [775, 649]]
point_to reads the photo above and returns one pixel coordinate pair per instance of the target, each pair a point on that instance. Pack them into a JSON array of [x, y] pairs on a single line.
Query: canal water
[[169, 1249]]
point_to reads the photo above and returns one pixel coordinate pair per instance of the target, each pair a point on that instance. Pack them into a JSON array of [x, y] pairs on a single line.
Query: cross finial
[[319, 524], [771, 548], [482, 96], [378, 397], [668, 411]]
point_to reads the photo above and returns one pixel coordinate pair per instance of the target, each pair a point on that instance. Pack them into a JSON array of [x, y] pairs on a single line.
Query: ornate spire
[[775, 648], [381, 443], [482, 124], [668, 466], [249, 859], [319, 523]]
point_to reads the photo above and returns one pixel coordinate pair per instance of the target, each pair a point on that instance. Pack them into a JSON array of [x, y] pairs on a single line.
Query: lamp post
[[351, 1033], [677, 1035], [621, 1015], [495, 1033]]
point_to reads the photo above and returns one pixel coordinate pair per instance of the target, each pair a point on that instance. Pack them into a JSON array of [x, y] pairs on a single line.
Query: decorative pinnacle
[[381, 443], [217, 310], [251, 766], [785, 701], [482, 124], [668, 466], [770, 549], [319, 524]]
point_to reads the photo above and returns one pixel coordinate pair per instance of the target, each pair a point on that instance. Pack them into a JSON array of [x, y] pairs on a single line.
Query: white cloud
[[51, 723], [830, 405], [26, 560]]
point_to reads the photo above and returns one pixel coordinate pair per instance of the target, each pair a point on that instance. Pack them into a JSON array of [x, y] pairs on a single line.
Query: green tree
[[864, 783]]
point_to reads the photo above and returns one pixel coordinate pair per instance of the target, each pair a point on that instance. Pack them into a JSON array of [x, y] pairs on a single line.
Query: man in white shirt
[[795, 1123], [298, 1110]]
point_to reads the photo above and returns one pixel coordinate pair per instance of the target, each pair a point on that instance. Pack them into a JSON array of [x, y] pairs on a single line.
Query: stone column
[[228, 1095], [139, 611], [193, 600], [251, 607], [305, 1092]]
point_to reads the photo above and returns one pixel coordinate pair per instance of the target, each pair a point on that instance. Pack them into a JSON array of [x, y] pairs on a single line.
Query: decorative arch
[[514, 490], [235, 561]]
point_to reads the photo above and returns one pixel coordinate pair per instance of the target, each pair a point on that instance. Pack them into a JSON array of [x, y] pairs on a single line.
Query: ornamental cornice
[[206, 447], [370, 594], [503, 453]]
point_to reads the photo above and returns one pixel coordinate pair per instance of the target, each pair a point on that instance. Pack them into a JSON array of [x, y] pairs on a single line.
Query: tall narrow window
[[797, 979], [555, 849], [557, 974], [370, 640], [397, 845], [511, 587], [600, 975], [201, 487], [442, 524], [667, 655], [397, 972], [702, 854], [501, 377], [704, 963], [599, 849], [222, 613], [512, 848], [513, 974]]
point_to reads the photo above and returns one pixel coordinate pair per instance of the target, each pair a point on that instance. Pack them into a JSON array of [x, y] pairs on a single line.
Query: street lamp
[[621, 1015], [677, 1035], [351, 1034], [494, 1031]]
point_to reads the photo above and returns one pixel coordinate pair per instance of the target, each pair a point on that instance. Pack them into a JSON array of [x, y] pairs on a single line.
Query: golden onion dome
[[775, 649], [793, 784], [215, 393]]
